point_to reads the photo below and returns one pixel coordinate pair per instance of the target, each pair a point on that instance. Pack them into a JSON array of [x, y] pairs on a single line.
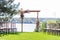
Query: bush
[[43, 25]]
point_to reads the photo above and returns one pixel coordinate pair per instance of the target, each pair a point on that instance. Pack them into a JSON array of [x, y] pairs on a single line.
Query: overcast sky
[[48, 8]]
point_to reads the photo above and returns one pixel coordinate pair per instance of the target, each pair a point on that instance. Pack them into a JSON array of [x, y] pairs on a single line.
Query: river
[[26, 27]]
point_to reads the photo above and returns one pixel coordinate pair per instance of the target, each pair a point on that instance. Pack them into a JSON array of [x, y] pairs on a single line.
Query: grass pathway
[[30, 36]]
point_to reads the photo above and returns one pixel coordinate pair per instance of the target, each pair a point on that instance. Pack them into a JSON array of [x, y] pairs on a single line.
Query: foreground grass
[[30, 36]]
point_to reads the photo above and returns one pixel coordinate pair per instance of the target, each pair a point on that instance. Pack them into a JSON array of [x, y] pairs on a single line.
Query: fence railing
[[8, 27]]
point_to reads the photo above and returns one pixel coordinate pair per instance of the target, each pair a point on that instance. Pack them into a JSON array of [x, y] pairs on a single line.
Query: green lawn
[[30, 36]]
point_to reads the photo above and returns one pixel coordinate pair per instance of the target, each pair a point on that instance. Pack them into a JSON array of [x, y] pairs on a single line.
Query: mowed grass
[[30, 36]]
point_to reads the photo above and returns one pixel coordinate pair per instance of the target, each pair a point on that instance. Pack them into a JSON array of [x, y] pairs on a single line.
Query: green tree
[[58, 21], [51, 21], [8, 9]]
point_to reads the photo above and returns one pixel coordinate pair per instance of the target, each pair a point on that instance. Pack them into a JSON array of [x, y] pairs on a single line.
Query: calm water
[[26, 27]]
